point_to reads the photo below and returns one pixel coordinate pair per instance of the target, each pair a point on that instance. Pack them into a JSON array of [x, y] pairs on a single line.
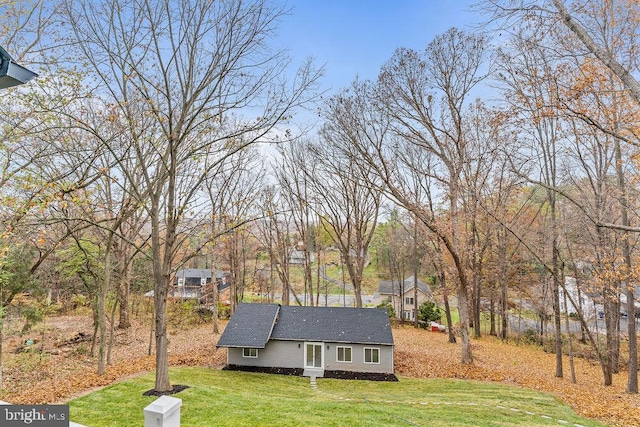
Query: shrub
[[390, 310], [224, 311], [530, 336], [429, 312]]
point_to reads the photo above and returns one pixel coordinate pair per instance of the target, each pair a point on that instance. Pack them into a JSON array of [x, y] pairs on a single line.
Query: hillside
[[67, 371]]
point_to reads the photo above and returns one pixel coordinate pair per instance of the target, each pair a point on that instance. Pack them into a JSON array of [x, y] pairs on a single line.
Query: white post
[[163, 412]]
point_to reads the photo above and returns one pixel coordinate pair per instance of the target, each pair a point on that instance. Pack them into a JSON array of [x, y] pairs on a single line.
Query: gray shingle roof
[[333, 324], [194, 272], [250, 326], [392, 287], [327, 324]]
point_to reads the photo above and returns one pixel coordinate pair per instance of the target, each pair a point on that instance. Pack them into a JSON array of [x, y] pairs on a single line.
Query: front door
[[313, 355]]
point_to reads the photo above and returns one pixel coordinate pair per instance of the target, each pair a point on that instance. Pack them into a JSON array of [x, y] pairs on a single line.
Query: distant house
[[589, 301], [586, 300], [195, 283], [401, 295], [310, 341], [296, 257]]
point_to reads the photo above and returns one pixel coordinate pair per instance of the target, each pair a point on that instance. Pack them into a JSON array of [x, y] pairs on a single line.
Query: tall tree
[[296, 190], [348, 203], [425, 95], [180, 75], [601, 32]]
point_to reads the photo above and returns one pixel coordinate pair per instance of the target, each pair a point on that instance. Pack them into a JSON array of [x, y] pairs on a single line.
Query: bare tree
[[180, 75], [425, 96], [398, 130], [347, 201], [233, 191], [589, 37], [295, 189], [275, 233]]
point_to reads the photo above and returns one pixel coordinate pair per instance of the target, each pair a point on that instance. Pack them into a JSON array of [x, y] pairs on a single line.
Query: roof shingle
[[250, 326], [333, 324]]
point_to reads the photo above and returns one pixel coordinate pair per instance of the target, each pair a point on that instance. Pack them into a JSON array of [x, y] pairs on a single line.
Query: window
[[250, 352], [344, 354], [408, 300], [371, 355]]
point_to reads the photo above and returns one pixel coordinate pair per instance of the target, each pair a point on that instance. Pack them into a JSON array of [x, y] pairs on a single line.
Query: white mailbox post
[[163, 412]]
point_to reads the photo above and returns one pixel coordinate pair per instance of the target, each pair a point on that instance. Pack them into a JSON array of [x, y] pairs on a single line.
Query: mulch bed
[[344, 375], [263, 370], [176, 389], [368, 376]]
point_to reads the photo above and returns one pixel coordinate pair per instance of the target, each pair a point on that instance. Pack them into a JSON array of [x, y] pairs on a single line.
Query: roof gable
[[204, 273], [392, 287], [250, 326]]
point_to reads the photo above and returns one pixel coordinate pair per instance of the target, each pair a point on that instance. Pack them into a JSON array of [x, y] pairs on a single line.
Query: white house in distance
[[588, 302], [401, 295], [297, 257]]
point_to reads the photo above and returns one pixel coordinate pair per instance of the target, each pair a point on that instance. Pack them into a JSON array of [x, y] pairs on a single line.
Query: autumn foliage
[[419, 354]]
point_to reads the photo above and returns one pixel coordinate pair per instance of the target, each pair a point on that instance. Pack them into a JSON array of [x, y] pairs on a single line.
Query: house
[[297, 257], [401, 295], [192, 283], [586, 300], [589, 300], [337, 342]]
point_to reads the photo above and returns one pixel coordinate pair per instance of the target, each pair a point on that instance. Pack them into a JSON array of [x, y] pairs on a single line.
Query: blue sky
[[356, 37]]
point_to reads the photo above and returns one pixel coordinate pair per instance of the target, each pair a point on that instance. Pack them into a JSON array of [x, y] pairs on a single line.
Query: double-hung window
[[371, 355], [250, 352], [344, 354]]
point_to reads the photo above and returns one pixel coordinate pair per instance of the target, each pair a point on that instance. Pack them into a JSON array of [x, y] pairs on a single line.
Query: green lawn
[[226, 398]]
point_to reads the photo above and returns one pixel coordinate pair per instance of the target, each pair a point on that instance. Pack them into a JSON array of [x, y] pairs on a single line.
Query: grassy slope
[[224, 398]]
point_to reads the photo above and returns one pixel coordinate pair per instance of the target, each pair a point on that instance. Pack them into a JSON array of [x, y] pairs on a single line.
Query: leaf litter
[[61, 374]]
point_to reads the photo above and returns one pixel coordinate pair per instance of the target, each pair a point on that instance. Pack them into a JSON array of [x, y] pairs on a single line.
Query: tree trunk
[[102, 332], [555, 268], [632, 368], [162, 253], [415, 299], [629, 288], [112, 327], [124, 321], [467, 355], [214, 283], [162, 382], [570, 342], [492, 314], [447, 308]]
